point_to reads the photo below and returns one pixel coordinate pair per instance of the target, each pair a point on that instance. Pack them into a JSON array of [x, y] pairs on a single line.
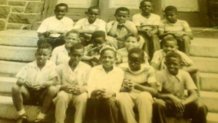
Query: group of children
[[112, 72]]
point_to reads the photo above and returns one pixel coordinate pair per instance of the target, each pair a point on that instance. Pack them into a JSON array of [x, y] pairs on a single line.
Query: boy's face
[[92, 15], [146, 8], [169, 45], [131, 42], [42, 55], [134, 62], [173, 65], [108, 59], [121, 16], [71, 39], [171, 16], [75, 56], [60, 12], [98, 41]]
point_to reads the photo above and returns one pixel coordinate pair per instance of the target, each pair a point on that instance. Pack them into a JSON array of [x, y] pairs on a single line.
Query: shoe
[[22, 119], [40, 118]]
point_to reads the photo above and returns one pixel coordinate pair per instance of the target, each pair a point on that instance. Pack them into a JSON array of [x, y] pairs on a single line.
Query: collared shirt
[[99, 79], [179, 26], [78, 76], [145, 74], [36, 76], [52, 24], [159, 59], [84, 25], [121, 32], [140, 20], [60, 55], [175, 85]]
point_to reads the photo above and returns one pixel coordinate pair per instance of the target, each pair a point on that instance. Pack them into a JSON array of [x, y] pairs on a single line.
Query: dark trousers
[[101, 111], [195, 111]]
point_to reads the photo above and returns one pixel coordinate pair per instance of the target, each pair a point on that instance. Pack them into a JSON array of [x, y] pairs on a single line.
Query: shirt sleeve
[[186, 26], [91, 82], [43, 27], [101, 26], [136, 20], [54, 56], [151, 76], [186, 59], [109, 26], [78, 24], [70, 24], [189, 83], [156, 59], [22, 74]]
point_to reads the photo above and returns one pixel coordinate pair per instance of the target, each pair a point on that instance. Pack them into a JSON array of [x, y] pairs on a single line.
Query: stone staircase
[[17, 47]]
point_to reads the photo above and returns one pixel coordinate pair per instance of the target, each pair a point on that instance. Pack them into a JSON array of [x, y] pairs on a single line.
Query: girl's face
[[171, 16], [135, 62], [131, 43], [71, 39]]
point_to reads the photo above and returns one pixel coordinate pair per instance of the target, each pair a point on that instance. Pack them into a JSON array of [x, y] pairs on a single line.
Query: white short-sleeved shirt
[[145, 74], [52, 24], [179, 26], [121, 32], [140, 20], [159, 59], [78, 76], [60, 55], [36, 76], [84, 25], [99, 79], [175, 85]]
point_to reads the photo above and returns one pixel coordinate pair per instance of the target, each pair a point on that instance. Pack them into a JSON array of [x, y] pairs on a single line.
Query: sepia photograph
[[108, 61]]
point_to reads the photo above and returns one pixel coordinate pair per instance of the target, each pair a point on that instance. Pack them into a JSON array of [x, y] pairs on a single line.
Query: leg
[[61, 104], [80, 106], [126, 105], [91, 115], [186, 44], [155, 44], [196, 111], [144, 103], [159, 112]]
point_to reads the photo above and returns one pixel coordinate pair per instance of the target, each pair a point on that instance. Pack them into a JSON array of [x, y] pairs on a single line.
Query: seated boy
[[56, 26], [86, 26], [131, 42], [138, 86], [92, 51], [179, 28], [72, 77], [172, 102], [169, 44], [147, 24], [104, 83], [34, 84], [121, 27], [60, 54]]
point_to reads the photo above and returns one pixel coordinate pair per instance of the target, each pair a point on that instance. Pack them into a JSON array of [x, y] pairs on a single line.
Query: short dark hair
[[72, 31], [138, 51], [105, 48], [132, 35], [122, 9], [92, 7], [143, 1], [44, 45], [76, 47], [170, 8], [173, 54], [61, 4], [168, 37]]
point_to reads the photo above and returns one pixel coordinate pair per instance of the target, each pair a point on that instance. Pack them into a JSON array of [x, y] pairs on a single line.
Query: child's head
[[146, 7], [92, 14], [122, 14], [71, 38], [60, 10], [173, 62], [169, 43], [43, 53], [76, 53], [107, 57], [136, 58], [171, 14], [131, 42], [98, 38]]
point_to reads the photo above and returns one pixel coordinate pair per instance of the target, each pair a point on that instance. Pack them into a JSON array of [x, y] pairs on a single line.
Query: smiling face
[[169, 45], [121, 16], [146, 8], [134, 61], [107, 59], [71, 39], [92, 14], [42, 55], [75, 56], [173, 65], [60, 12]]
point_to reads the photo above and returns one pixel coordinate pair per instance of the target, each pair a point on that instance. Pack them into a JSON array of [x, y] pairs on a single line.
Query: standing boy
[[172, 99], [34, 84], [72, 77]]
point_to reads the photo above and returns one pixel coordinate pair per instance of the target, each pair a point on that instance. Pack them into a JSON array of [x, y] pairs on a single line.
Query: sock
[[21, 112]]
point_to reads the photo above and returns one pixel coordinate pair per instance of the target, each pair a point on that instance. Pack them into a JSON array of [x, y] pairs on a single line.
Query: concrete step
[[207, 65], [212, 118], [23, 54], [205, 32], [9, 67], [210, 99], [205, 47], [6, 83], [26, 38], [209, 82], [7, 121]]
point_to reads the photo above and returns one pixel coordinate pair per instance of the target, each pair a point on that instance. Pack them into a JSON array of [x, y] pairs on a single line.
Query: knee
[[121, 97], [202, 108], [16, 89], [145, 96], [52, 90], [82, 98], [62, 96]]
